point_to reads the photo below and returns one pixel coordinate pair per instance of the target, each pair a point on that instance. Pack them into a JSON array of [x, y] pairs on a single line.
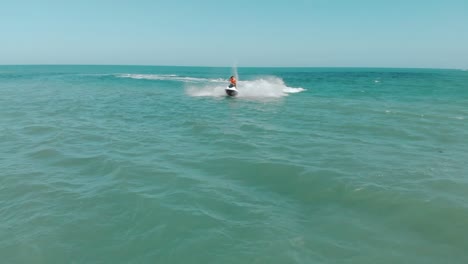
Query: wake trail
[[268, 86], [262, 87]]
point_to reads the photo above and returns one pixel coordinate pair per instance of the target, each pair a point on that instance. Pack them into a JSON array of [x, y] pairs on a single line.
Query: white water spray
[[269, 86], [261, 87], [234, 71]]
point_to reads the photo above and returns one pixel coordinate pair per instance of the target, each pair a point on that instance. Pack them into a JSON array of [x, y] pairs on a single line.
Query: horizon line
[[237, 66]]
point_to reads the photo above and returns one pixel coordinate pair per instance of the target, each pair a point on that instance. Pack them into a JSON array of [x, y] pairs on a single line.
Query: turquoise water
[[107, 164]]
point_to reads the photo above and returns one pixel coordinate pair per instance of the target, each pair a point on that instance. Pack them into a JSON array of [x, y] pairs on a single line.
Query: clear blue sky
[[318, 33]]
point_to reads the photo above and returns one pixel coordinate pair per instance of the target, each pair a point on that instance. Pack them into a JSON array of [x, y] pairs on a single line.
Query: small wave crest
[[262, 87]]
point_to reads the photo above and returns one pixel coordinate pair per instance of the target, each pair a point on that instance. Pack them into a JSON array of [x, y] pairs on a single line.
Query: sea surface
[[137, 164]]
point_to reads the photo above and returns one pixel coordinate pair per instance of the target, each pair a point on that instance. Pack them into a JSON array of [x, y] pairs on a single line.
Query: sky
[[274, 33]]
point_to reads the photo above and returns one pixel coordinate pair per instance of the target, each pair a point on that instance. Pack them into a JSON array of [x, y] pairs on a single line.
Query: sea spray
[[265, 86], [269, 86], [234, 72]]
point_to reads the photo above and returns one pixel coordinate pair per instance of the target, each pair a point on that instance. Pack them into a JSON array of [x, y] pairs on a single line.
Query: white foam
[[293, 90], [213, 91], [258, 88], [269, 86], [167, 77]]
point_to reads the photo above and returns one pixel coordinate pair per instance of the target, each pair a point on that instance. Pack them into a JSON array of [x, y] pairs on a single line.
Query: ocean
[[141, 164]]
